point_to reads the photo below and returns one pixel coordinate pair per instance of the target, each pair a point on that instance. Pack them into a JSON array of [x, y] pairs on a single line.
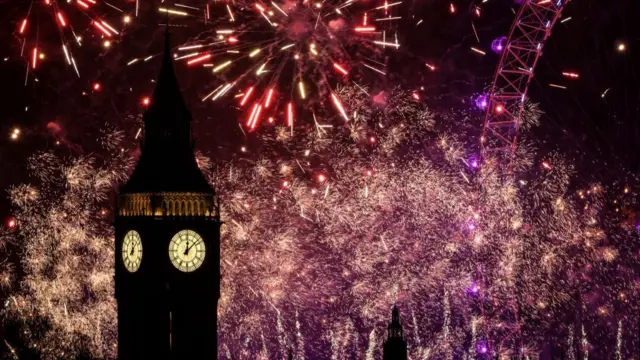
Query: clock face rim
[[132, 264], [177, 260]]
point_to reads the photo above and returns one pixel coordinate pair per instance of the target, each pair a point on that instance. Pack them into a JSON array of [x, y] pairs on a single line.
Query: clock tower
[[167, 248]]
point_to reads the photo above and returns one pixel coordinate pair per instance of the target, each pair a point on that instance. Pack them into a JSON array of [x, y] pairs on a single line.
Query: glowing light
[[290, 115], [11, 223], [365, 29], [558, 86], [173, 12], [498, 44], [254, 53], [482, 101], [571, 75], [23, 26], [267, 102], [15, 134], [222, 66], [478, 51], [338, 104], [255, 116], [34, 58], [63, 23], [199, 59], [101, 28], [340, 68], [146, 101], [246, 97], [301, 90]]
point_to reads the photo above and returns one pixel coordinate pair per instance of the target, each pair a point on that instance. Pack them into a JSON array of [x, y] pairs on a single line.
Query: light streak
[[246, 96], [66, 54], [267, 102], [261, 69], [386, 6], [173, 12], [571, 75], [338, 104], [254, 53], [101, 28], [384, 43], [199, 59], [222, 66], [63, 23], [213, 92], [301, 90], [340, 68], [279, 9], [478, 51], [290, 115], [194, 54], [34, 58], [230, 14], [105, 24], [190, 47], [390, 18], [374, 69], [365, 29], [255, 116], [23, 26]]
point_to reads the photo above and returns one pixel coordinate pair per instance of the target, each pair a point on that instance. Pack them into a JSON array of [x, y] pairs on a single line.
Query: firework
[[330, 229], [48, 27], [272, 54], [67, 306]]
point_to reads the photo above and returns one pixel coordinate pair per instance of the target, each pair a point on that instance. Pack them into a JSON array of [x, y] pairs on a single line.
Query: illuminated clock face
[[132, 251], [186, 250]]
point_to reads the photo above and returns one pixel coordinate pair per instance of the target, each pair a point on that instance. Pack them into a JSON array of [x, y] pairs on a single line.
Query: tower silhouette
[[167, 246], [395, 347]]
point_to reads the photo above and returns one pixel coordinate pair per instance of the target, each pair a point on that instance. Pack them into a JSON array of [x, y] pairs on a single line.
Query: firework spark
[[48, 27], [279, 49]]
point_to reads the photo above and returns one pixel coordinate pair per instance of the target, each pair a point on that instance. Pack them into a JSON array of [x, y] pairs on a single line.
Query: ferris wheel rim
[[532, 26]]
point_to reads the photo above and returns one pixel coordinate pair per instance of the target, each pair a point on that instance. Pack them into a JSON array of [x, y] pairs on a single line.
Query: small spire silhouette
[[395, 347]]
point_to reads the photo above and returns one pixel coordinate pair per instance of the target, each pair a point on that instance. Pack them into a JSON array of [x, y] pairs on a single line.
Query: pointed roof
[[167, 162], [167, 95], [395, 317]]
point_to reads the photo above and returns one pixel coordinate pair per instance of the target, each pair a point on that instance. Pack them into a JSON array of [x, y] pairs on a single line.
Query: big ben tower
[[167, 245]]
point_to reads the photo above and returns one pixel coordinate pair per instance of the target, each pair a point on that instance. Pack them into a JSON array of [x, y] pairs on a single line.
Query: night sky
[[594, 121], [61, 107]]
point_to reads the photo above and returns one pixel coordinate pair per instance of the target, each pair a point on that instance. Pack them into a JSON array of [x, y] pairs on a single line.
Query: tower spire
[[167, 139], [395, 347]]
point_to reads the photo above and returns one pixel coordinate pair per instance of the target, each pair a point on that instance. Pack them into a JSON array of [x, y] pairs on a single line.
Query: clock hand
[[189, 248], [131, 252]]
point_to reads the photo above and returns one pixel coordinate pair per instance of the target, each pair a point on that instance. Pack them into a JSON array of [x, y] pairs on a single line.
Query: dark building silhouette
[[167, 248], [395, 347]]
